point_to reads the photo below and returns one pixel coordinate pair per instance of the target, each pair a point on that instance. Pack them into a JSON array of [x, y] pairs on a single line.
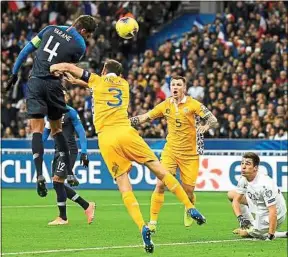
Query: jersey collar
[[183, 101], [111, 74]]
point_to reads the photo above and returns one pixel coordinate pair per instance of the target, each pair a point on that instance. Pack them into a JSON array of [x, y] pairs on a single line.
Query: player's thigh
[[116, 162], [189, 168], [169, 162], [134, 147], [59, 166], [36, 99], [55, 100]]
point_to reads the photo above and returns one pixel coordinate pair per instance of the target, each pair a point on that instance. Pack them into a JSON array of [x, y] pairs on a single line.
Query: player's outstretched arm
[[137, 120], [72, 80], [67, 67], [28, 49]]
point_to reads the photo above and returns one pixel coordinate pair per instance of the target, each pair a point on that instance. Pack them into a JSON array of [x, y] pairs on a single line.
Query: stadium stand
[[235, 66]]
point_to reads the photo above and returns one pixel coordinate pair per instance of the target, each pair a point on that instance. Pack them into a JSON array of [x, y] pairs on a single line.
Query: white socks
[[246, 213], [280, 234]]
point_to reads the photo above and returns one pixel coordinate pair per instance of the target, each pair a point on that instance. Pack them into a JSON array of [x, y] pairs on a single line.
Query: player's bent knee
[[160, 187], [230, 195], [156, 168], [37, 125], [58, 179], [123, 183]]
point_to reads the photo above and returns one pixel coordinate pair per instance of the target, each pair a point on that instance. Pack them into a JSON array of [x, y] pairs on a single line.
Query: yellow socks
[[194, 199], [174, 186], [157, 201], [133, 208]]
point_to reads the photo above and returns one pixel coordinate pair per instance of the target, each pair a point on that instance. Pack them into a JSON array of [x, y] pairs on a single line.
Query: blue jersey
[[71, 123], [54, 44]]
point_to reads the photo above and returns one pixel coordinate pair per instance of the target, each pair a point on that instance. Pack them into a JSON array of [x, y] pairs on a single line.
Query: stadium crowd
[[241, 77]]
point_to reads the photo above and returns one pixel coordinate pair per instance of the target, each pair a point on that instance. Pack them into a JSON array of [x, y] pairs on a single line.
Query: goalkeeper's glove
[[72, 180], [11, 81], [84, 159], [244, 224], [270, 237]]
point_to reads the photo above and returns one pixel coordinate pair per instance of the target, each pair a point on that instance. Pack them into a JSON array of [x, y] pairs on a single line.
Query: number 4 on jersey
[[52, 52]]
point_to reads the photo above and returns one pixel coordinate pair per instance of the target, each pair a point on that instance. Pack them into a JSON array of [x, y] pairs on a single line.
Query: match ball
[[127, 27]]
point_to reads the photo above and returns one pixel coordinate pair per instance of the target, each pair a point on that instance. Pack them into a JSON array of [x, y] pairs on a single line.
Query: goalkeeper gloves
[[84, 159], [270, 237], [244, 224], [11, 81]]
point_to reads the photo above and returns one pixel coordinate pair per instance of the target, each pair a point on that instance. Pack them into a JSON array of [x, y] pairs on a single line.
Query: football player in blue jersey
[[71, 123], [53, 44]]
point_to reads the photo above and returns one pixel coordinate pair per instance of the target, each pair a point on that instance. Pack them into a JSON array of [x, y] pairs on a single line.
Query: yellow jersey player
[[119, 142], [184, 142]]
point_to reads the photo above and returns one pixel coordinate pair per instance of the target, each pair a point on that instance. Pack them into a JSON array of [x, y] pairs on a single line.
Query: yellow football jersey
[[181, 138], [110, 101]]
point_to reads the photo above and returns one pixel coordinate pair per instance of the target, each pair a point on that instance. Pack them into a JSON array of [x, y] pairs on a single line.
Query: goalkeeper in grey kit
[[264, 198]]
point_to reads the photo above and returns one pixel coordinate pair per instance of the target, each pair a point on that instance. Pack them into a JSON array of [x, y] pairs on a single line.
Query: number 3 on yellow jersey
[[118, 96]]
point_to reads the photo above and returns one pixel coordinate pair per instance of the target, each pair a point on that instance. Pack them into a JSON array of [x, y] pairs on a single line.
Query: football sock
[[72, 195], [157, 200], [246, 213], [61, 198], [38, 151], [194, 199], [64, 151], [133, 208], [174, 186], [281, 234]]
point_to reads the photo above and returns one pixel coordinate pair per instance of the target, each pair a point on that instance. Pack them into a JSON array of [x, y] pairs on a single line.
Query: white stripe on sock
[[61, 203], [75, 197]]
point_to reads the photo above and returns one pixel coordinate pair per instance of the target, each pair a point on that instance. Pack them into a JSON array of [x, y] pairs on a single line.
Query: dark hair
[[113, 66], [255, 158], [85, 22], [179, 77]]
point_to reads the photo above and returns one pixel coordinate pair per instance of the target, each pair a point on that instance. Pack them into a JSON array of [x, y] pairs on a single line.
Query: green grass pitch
[[24, 228]]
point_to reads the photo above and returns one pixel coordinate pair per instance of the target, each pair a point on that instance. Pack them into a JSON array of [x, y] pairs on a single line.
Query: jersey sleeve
[[269, 193], [199, 109], [157, 111], [46, 131], [241, 186], [36, 41], [79, 129], [93, 79]]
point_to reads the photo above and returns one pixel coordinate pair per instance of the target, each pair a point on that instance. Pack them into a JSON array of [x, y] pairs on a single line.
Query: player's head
[[178, 87], [85, 25], [112, 66], [249, 165]]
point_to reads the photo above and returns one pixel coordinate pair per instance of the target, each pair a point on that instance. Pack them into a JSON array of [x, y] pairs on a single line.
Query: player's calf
[[58, 184], [38, 151], [89, 208]]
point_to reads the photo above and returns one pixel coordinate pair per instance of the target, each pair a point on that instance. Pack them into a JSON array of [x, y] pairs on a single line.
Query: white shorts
[[261, 226]]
